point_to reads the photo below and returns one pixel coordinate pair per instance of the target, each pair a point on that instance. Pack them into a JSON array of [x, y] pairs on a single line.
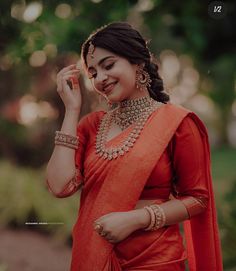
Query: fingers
[[66, 69], [69, 73], [74, 81], [69, 80], [103, 233]]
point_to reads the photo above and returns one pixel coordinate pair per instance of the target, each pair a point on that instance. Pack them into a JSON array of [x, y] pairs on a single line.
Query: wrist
[[74, 110], [141, 218]]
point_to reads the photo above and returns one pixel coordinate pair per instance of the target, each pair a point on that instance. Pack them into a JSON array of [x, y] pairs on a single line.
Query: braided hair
[[123, 40]]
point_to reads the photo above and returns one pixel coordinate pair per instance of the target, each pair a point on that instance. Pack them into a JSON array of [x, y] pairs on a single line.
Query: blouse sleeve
[[75, 183], [190, 185]]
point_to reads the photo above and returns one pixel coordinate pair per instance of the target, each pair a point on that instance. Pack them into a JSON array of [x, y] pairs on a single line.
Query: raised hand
[[71, 96]]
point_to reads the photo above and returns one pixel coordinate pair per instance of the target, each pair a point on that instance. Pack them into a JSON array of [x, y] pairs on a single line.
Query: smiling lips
[[109, 87]]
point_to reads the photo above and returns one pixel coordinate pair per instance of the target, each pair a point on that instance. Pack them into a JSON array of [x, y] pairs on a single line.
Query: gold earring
[[91, 49], [142, 79]]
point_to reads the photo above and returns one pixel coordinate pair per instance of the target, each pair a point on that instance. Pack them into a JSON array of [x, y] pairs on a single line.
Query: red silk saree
[[116, 186]]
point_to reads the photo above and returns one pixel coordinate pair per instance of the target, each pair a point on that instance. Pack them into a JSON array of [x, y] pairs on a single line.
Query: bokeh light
[[50, 50], [32, 11], [38, 59], [31, 110], [63, 11]]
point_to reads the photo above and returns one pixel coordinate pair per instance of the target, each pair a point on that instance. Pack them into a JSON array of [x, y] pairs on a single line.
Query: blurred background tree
[[196, 55]]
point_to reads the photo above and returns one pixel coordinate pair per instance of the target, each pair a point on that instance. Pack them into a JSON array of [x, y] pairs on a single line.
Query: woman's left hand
[[116, 226]]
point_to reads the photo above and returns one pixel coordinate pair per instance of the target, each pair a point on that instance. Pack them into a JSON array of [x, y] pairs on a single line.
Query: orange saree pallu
[[116, 186]]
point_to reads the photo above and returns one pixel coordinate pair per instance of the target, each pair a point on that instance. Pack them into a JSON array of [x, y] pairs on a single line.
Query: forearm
[[175, 211], [61, 166]]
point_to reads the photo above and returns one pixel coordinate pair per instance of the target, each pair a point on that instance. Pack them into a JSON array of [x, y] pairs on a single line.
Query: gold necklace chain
[[104, 127]]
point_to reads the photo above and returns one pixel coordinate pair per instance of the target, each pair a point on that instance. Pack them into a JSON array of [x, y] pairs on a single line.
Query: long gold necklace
[[104, 127]]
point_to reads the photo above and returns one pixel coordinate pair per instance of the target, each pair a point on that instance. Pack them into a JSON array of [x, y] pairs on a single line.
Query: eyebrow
[[101, 61]]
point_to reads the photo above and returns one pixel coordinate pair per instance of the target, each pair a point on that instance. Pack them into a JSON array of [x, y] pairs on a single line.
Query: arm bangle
[[158, 217], [66, 140]]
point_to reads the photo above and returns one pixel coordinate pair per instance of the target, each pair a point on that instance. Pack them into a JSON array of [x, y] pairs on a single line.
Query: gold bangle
[[158, 217], [152, 218], [66, 145], [66, 140]]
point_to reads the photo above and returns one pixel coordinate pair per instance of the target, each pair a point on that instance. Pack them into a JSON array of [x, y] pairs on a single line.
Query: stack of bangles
[[66, 140], [157, 215]]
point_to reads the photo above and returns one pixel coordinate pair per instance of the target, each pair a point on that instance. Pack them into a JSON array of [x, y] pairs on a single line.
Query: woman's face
[[112, 76]]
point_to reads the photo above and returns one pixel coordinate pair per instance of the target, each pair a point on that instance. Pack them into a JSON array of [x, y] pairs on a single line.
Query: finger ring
[[98, 227], [103, 233], [74, 80]]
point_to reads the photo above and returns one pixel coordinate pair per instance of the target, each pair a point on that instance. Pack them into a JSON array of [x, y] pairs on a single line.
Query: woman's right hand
[[70, 97]]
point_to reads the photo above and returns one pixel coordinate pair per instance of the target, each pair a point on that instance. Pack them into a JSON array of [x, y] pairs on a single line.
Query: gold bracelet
[[152, 218], [158, 217], [66, 140]]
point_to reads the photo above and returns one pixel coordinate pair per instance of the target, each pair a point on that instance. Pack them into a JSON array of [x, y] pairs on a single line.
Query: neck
[[135, 101]]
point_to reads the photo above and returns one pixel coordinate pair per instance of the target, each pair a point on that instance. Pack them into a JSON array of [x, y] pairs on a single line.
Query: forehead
[[98, 54]]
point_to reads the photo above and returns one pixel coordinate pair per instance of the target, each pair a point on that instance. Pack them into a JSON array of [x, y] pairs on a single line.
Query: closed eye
[[108, 67]]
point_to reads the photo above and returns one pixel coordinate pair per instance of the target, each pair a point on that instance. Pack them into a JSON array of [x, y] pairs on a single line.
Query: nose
[[101, 78]]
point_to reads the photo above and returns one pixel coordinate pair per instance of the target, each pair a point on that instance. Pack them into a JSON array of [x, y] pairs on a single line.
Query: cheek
[[128, 80], [126, 75], [96, 88]]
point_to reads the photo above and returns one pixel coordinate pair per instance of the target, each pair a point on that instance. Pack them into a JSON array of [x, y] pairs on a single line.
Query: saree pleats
[[152, 250]]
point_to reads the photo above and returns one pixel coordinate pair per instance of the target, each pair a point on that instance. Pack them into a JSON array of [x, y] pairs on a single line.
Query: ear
[[139, 66], [142, 65]]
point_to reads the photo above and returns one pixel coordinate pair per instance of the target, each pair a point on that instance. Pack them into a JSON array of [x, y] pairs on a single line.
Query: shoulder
[[171, 113], [191, 129], [187, 125], [183, 120], [175, 109], [90, 121], [92, 117], [188, 119]]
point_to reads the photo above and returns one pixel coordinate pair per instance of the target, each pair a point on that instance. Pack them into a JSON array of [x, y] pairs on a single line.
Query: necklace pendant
[[115, 155], [121, 152], [105, 155]]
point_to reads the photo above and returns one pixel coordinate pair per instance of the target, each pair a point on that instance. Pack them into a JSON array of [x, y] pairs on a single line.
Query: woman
[[144, 165]]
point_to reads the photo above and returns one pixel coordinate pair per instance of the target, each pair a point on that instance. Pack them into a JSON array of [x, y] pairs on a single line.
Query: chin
[[114, 98]]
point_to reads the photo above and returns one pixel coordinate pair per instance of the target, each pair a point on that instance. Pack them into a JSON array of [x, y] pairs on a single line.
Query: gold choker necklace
[[129, 111], [143, 113]]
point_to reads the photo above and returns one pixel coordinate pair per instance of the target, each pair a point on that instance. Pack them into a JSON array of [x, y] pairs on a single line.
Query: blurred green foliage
[[228, 222], [25, 198]]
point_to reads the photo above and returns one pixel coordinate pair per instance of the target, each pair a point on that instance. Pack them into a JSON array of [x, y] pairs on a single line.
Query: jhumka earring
[[142, 80], [91, 49]]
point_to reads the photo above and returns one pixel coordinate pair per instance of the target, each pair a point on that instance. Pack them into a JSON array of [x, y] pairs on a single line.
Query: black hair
[[123, 40]]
